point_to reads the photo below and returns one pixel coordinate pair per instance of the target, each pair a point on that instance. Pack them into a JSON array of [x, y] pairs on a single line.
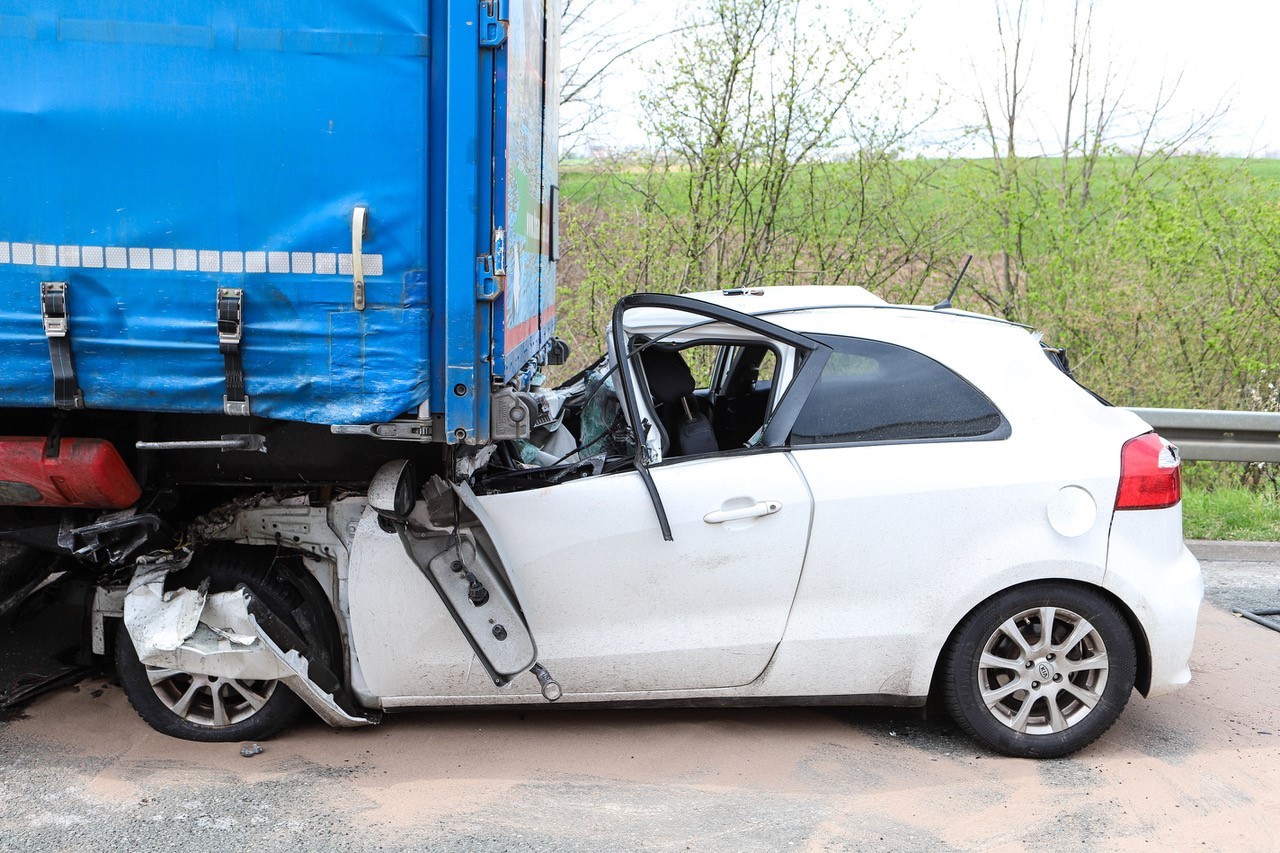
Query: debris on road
[[1260, 616]]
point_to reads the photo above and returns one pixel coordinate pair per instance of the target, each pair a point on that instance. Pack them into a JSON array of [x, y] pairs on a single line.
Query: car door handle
[[720, 516]]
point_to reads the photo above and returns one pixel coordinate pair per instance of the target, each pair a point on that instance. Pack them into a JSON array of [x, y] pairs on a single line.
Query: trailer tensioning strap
[[230, 332], [53, 311]]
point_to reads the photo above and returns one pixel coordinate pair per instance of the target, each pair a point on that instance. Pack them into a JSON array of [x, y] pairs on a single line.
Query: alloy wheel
[[209, 700], [1043, 670]]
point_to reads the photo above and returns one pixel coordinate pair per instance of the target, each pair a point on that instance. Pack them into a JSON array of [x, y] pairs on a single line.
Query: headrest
[[668, 376]]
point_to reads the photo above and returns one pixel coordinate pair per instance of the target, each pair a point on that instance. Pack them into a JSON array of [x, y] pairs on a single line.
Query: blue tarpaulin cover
[[152, 152]]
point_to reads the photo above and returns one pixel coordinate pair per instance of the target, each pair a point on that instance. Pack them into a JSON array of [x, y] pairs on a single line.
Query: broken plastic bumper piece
[[231, 635]]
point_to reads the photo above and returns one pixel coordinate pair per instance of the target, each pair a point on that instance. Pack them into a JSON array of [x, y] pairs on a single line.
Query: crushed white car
[[785, 495]]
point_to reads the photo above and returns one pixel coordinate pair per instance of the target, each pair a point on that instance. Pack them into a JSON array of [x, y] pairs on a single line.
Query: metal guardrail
[[1204, 434]]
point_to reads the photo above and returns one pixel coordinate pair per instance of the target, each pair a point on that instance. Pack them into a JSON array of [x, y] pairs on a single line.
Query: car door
[[617, 608], [614, 607]]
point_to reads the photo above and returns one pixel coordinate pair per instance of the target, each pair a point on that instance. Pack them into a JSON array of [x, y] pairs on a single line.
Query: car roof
[[756, 300], [832, 309], [852, 310], [976, 346]]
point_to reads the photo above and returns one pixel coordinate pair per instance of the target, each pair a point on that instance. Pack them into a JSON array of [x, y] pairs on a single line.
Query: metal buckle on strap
[[230, 317], [238, 408], [57, 329], [53, 308], [230, 332]]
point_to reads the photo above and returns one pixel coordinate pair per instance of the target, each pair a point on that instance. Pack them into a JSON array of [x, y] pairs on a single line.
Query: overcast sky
[[1225, 51]]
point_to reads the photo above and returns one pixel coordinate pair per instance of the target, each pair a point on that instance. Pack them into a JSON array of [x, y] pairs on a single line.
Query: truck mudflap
[[230, 635]]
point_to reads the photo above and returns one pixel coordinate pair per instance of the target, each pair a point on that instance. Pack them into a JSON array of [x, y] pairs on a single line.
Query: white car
[[786, 495]]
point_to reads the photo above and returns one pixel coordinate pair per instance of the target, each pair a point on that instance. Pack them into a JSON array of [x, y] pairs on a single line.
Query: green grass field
[[594, 183], [1267, 170], [1233, 513]]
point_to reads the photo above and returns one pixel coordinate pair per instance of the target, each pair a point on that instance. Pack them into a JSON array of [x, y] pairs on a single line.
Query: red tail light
[[1150, 474]]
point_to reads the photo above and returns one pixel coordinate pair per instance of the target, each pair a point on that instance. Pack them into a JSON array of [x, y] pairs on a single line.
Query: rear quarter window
[[871, 391]]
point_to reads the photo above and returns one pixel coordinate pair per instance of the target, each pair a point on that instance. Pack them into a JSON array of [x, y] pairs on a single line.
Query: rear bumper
[[1152, 572]]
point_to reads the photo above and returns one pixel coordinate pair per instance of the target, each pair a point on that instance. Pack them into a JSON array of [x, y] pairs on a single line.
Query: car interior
[[704, 396]]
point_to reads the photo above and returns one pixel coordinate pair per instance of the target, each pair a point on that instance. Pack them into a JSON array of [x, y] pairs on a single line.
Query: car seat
[[685, 428]]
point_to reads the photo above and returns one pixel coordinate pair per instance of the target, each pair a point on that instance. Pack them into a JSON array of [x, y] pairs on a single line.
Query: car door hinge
[[493, 29]]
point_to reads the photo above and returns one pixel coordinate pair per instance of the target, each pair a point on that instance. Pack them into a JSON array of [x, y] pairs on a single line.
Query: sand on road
[[1200, 767]]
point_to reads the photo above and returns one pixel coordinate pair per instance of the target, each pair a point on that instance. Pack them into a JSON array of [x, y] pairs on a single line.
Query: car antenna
[[946, 303]]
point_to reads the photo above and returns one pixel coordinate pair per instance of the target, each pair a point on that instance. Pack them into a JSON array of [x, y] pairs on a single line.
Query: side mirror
[[392, 491]]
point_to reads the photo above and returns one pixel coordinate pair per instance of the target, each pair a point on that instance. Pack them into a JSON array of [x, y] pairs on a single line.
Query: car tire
[[1033, 694], [205, 708]]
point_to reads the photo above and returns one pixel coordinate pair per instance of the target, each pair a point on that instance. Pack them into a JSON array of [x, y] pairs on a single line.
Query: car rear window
[[874, 391]]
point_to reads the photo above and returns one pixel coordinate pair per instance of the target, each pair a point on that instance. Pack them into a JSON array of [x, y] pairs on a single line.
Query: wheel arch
[[290, 563], [194, 706], [282, 563], [1141, 644]]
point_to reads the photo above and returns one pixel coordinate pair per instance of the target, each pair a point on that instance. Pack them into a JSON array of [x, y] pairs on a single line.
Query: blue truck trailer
[[307, 211], [254, 247]]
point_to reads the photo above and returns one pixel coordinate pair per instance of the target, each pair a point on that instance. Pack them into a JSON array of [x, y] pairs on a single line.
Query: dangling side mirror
[[393, 492]]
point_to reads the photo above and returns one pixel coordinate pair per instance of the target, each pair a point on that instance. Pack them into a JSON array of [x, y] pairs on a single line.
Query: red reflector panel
[[1150, 474], [87, 473]]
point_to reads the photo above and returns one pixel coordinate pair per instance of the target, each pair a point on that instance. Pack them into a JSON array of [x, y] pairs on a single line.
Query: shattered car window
[[579, 431], [600, 419]]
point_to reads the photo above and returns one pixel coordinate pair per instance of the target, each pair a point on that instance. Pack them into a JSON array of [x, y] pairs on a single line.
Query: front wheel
[[1040, 671], [193, 706]]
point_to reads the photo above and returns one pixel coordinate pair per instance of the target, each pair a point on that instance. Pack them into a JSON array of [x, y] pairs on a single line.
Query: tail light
[[1150, 474]]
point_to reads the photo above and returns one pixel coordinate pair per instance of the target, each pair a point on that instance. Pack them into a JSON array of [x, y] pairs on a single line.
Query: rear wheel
[[200, 707], [1040, 671]]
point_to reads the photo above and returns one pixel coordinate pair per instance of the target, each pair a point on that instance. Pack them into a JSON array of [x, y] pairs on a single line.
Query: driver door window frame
[[810, 356]]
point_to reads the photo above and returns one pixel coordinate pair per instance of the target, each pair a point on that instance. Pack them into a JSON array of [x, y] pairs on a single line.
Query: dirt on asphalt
[[1198, 768]]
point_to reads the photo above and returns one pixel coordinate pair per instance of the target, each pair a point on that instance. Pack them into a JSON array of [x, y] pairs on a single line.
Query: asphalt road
[[1199, 768]]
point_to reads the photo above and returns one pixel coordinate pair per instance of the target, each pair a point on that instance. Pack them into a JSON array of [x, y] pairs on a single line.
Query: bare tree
[[1001, 110], [1098, 129], [762, 171], [598, 39]]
